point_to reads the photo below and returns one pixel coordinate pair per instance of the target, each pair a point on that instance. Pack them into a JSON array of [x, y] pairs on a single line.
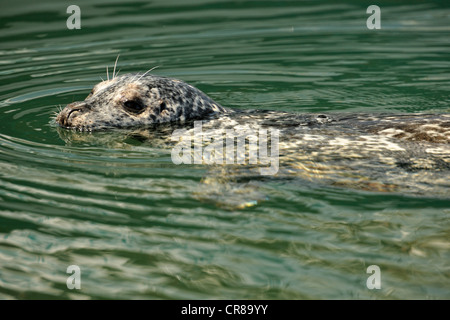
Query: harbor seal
[[382, 152], [142, 100]]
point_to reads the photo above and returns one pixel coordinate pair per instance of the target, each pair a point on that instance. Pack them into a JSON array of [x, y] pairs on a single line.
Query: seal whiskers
[[145, 73], [115, 64]]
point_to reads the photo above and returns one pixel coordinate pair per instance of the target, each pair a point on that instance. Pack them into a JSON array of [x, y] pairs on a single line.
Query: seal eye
[[134, 106]]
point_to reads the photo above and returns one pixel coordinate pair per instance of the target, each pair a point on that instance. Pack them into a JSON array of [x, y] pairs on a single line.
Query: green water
[[129, 218]]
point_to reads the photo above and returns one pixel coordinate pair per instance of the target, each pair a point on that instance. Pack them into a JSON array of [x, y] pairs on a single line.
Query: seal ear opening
[[162, 106]]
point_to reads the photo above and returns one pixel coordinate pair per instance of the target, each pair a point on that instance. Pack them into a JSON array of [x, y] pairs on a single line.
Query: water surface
[[132, 220]]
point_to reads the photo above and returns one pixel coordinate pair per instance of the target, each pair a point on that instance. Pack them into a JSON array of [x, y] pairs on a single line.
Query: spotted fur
[[383, 152]]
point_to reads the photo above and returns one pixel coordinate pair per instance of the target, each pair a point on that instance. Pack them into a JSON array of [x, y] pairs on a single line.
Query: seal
[[143, 100], [378, 152]]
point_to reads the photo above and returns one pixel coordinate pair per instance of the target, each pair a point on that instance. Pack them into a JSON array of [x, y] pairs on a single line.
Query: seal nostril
[[72, 111], [66, 116]]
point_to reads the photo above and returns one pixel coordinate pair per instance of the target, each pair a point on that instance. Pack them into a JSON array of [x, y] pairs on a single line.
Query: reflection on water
[[140, 227]]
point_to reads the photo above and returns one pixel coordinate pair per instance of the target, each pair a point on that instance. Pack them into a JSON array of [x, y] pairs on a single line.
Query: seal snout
[[66, 116]]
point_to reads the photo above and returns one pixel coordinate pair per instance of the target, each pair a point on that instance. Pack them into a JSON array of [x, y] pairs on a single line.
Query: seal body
[[142, 100], [381, 152]]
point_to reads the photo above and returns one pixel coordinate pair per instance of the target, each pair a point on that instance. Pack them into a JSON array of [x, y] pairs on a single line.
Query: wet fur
[[381, 152]]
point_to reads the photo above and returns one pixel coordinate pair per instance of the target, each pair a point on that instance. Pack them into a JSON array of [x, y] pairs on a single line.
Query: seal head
[[137, 100]]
